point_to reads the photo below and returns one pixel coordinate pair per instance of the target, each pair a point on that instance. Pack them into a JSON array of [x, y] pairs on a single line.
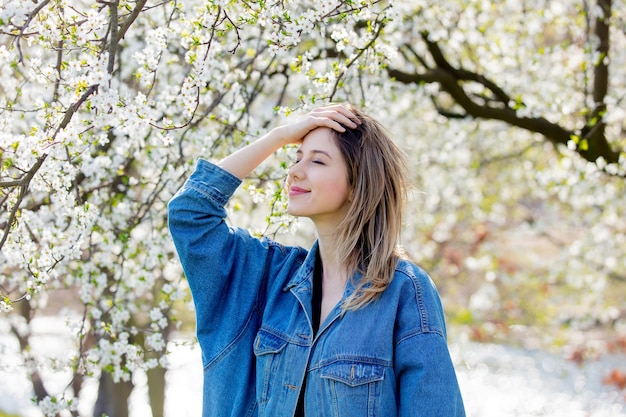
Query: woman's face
[[318, 181]]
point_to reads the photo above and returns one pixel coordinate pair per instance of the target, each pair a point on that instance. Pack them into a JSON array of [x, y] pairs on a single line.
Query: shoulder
[[409, 274], [282, 253], [419, 308]]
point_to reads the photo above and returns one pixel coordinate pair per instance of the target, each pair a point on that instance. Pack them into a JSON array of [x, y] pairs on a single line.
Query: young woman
[[346, 329]]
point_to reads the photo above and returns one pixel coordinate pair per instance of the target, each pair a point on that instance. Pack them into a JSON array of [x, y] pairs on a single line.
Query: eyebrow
[[299, 152]]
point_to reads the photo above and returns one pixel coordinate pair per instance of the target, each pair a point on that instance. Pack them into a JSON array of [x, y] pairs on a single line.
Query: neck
[[333, 268]]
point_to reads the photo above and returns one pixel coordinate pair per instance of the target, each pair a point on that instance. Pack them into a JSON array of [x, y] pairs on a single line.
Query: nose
[[295, 172]]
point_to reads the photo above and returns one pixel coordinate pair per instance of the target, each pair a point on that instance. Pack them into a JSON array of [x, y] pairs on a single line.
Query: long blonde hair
[[368, 237]]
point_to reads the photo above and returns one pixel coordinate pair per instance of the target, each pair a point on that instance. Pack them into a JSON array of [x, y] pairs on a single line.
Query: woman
[[348, 328]]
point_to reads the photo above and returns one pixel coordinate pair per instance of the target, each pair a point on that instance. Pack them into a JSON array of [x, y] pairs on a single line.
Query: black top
[[316, 308]]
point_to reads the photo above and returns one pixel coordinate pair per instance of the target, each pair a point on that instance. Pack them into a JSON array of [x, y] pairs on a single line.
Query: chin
[[293, 212], [296, 211]]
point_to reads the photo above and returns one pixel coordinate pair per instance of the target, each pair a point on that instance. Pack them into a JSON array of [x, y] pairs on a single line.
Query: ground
[[496, 380]]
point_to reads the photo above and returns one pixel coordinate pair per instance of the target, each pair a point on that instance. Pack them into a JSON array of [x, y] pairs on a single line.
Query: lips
[[294, 191]]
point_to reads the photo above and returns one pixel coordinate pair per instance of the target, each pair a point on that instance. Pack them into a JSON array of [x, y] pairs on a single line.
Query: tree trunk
[[112, 397], [156, 391]]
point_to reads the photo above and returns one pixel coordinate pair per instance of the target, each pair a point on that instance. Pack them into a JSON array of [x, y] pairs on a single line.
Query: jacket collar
[[304, 275], [303, 278]]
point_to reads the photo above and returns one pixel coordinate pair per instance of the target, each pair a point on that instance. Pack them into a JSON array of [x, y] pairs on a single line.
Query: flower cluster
[[51, 406]]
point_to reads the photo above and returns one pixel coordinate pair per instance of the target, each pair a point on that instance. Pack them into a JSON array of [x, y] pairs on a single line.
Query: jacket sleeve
[[427, 385], [226, 267]]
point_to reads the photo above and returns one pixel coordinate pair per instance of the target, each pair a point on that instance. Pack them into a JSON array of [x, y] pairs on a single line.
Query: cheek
[[339, 190]]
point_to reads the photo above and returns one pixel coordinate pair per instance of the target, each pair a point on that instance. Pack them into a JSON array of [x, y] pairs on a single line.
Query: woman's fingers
[[337, 117], [337, 114]]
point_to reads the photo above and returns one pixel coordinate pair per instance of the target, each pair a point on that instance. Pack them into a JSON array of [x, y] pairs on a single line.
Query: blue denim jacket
[[253, 311]]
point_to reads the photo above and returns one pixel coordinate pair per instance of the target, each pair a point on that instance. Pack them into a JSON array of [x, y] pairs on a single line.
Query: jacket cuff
[[213, 180]]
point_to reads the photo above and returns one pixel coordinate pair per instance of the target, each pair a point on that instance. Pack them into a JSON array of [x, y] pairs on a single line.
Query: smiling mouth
[[293, 191]]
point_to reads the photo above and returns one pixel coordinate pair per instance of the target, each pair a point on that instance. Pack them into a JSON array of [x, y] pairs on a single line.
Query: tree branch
[[594, 131], [30, 18], [129, 21], [499, 108], [370, 44], [25, 310], [24, 183]]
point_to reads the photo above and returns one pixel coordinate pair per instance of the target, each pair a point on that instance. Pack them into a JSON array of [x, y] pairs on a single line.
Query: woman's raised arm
[[245, 160]]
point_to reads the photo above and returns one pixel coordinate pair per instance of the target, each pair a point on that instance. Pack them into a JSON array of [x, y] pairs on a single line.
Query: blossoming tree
[[513, 121]]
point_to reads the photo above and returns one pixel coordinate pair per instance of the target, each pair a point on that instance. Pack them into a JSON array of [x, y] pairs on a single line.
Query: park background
[[512, 115]]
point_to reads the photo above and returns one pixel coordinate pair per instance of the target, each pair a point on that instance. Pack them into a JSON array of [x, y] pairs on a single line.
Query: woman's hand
[[334, 116]]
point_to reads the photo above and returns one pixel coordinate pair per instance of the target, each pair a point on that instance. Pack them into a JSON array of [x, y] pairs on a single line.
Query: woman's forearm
[[243, 161]]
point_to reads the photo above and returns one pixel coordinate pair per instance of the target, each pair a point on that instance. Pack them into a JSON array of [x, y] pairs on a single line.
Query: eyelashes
[[318, 162]]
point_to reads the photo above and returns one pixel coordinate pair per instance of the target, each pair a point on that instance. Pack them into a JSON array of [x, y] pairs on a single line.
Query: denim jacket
[[253, 309]]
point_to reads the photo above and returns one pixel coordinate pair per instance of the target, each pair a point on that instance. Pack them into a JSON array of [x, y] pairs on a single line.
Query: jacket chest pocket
[[268, 349], [353, 387]]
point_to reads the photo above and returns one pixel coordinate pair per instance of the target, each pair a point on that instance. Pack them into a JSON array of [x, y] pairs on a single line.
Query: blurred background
[[512, 116]]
